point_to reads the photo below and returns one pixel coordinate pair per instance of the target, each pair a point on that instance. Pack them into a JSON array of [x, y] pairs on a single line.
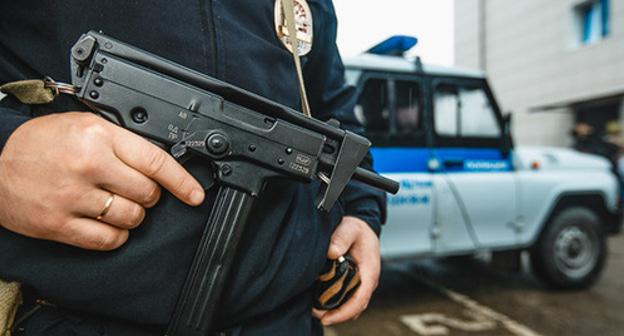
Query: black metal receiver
[[245, 139]]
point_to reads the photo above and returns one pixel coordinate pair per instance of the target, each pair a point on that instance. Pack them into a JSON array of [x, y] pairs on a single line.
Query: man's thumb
[[341, 241]]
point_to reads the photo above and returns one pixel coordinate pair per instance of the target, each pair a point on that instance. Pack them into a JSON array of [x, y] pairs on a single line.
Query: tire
[[571, 250]]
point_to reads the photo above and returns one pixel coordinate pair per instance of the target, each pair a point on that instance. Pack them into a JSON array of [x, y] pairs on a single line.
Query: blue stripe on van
[[400, 160], [415, 160]]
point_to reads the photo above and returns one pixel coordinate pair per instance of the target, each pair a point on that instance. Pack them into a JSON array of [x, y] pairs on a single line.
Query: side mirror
[[506, 139]]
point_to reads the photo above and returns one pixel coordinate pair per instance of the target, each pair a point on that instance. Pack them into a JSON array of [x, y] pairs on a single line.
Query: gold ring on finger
[[107, 206]]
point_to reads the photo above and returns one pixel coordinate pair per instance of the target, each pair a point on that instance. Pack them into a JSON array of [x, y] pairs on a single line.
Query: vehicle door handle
[[453, 163]]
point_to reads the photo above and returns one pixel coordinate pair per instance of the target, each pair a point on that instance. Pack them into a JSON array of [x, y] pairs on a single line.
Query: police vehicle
[[465, 187]]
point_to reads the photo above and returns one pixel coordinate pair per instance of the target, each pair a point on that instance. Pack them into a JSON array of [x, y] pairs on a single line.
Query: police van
[[465, 187]]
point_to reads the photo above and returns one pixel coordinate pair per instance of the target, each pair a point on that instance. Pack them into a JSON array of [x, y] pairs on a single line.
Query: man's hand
[[355, 238], [57, 173]]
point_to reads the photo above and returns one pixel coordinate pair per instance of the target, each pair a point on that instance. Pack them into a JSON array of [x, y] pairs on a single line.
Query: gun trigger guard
[[182, 154]]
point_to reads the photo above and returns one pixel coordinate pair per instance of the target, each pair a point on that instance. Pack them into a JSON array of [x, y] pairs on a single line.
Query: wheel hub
[[575, 249], [576, 252]]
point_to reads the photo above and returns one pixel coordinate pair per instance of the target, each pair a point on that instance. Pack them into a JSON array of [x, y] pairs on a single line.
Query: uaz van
[[465, 187]]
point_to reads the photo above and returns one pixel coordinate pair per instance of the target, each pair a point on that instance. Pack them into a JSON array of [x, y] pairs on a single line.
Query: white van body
[[464, 187]]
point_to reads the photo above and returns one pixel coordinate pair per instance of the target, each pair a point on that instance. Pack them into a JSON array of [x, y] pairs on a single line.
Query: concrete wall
[[467, 37], [532, 60]]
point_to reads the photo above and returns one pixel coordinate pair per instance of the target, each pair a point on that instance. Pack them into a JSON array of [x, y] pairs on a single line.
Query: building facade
[[554, 64]]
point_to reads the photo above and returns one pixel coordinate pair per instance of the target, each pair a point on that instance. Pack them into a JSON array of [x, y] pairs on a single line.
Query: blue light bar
[[394, 46]]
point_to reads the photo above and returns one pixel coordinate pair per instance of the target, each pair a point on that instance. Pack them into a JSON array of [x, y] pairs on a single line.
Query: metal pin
[[59, 87], [324, 178]]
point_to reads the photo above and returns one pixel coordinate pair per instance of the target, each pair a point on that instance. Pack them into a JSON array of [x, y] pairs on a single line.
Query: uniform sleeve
[[330, 97], [10, 120]]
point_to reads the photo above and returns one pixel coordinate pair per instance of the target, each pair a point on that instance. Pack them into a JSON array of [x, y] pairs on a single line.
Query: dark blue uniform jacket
[[137, 285]]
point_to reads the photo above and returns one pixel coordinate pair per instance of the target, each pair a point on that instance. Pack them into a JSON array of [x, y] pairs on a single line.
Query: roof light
[[395, 46]]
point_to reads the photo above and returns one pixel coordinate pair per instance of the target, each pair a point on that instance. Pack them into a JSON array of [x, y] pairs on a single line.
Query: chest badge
[[303, 24]]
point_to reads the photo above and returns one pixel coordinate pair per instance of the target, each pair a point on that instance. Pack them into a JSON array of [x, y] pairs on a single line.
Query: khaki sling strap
[[30, 91], [289, 12], [10, 299]]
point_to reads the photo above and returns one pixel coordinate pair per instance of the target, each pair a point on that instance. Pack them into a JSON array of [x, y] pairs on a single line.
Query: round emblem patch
[[303, 24]]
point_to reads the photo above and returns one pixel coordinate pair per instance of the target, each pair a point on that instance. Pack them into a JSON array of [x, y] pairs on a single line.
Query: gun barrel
[[374, 180]]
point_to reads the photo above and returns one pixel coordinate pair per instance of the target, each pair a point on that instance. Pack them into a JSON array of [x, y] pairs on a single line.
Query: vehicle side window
[[446, 106], [372, 109], [408, 106], [464, 111], [390, 107]]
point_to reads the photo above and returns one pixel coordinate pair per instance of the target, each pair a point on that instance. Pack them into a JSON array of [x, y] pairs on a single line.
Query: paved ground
[[470, 298]]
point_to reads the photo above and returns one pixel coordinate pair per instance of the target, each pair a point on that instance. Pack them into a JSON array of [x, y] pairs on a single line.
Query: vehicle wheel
[[571, 251]]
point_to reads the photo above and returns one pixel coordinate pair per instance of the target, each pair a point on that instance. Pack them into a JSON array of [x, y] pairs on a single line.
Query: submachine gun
[[244, 138]]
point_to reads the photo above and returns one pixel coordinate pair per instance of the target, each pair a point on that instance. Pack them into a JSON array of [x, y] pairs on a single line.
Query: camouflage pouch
[[10, 299], [337, 283]]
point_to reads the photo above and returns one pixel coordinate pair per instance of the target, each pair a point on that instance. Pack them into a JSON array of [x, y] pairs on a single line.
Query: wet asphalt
[[468, 297]]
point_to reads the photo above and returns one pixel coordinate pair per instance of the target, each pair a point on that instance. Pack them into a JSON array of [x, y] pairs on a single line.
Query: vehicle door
[[391, 110], [477, 171]]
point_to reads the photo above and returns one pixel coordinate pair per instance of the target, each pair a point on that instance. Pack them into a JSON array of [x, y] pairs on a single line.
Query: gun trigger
[[182, 154], [207, 183]]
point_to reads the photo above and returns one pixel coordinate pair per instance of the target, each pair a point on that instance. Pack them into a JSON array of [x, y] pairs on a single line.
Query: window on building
[[463, 111], [388, 106], [592, 21]]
